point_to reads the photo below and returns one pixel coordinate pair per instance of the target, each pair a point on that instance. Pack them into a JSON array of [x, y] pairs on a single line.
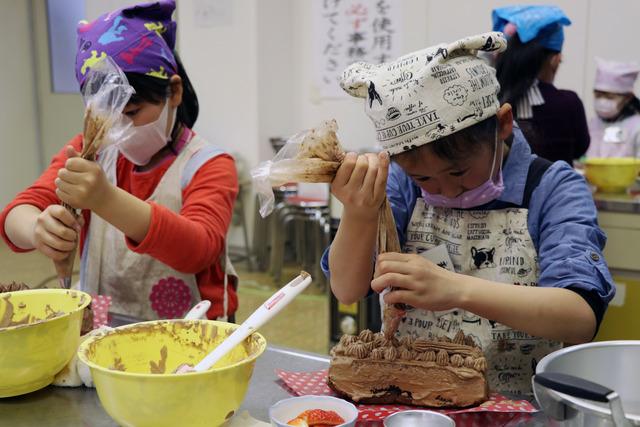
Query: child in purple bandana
[[157, 204]]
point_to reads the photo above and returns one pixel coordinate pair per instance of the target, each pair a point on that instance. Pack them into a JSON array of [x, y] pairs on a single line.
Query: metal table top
[[80, 406], [621, 203], [70, 407]]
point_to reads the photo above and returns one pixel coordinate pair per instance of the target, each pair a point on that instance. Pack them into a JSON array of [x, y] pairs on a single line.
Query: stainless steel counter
[[620, 203], [70, 407]]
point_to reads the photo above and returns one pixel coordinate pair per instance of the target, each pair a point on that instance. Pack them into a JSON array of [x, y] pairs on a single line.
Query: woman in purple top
[[552, 120]]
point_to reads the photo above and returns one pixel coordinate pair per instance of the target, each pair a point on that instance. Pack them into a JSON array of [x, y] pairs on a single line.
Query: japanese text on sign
[[348, 31]]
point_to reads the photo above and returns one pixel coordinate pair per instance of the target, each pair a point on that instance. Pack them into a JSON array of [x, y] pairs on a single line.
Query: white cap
[[616, 77]]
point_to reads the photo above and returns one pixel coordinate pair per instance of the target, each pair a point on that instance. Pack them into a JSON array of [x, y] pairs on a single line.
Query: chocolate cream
[[371, 368]]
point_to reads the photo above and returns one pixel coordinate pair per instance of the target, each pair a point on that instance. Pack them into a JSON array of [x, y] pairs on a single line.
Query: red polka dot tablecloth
[[100, 307], [497, 411]]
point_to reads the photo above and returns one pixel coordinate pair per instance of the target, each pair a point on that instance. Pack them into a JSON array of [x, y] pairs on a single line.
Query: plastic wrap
[[313, 155], [105, 93]]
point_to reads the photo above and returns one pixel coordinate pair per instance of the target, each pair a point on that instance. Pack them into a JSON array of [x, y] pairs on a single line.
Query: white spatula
[[198, 311], [258, 318]]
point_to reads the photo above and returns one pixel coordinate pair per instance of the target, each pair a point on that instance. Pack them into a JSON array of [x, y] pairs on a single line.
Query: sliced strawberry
[[322, 417]]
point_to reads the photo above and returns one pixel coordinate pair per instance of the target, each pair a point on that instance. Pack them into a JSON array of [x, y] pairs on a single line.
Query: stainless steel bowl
[[418, 418], [608, 377]]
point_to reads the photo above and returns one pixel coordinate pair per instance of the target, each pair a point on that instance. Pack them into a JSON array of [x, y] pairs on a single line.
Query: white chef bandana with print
[[429, 94]]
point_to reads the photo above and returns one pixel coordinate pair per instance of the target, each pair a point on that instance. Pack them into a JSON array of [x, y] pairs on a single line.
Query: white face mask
[[139, 143], [606, 108]]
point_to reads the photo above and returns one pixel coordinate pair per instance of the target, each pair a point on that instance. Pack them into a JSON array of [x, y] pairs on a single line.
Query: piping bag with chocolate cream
[[388, 241], [105, 92], [315, 156]]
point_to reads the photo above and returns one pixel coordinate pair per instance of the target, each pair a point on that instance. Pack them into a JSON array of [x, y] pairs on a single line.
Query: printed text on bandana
[[425, 120]]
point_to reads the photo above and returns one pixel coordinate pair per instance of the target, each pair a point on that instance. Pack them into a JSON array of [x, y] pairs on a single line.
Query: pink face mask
[[484, 193]]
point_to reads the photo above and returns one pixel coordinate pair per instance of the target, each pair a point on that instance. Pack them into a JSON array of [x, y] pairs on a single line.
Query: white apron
[[614, 139], [140, 285], [493, 245]]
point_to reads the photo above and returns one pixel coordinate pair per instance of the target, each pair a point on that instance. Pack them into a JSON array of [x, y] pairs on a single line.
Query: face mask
[[606, 108], [139, 143], [478, 196]]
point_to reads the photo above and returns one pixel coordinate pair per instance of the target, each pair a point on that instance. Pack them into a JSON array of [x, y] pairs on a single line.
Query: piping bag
[[315, 155], [105, 92]]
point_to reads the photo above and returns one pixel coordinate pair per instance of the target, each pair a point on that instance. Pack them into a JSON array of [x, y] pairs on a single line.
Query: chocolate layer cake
[[370, 368]]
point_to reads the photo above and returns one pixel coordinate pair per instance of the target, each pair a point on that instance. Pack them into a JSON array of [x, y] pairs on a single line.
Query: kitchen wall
[[220, 54], [59, 114], [19, 159]]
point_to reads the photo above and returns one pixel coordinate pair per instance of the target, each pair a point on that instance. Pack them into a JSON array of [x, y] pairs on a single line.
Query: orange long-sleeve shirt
[[190, 242]]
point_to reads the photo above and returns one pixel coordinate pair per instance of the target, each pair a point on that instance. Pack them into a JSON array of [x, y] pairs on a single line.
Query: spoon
[[258, 318]]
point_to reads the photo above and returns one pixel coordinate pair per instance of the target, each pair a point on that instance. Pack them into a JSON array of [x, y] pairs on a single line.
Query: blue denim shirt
[[562, 222]]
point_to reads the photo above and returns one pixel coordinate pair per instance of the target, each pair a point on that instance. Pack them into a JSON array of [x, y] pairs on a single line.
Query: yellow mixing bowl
[[132, 368], [613, 174], [44, 339]]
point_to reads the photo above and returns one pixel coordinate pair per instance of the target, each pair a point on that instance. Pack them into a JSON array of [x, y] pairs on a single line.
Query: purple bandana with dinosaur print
[[140, 39]]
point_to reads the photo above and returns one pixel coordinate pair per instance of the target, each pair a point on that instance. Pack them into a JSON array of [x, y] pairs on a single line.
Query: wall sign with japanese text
[[348, 31]]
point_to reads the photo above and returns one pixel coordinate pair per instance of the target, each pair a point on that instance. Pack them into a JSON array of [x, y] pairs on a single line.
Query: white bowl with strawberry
[[313, 411]]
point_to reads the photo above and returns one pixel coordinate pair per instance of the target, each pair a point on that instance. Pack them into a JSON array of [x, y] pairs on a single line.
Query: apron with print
[[493, 245], [140, 285]]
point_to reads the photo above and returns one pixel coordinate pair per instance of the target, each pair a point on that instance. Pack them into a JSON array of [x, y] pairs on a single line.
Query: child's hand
[[56, 232], [81, 183], [418, 282], [360, 184]]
